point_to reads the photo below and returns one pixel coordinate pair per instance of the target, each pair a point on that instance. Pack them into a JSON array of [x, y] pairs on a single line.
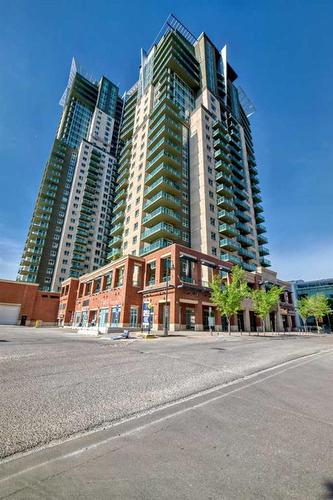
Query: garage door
[[9, 314]]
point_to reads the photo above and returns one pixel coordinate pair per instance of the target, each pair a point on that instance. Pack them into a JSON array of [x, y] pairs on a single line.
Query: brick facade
[[34, 304], [114, 295]]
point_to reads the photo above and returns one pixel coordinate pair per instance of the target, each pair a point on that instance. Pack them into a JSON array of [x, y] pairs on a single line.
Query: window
[[214, 251], [135, 239], [211, 207], [212, 221], [213, 236]]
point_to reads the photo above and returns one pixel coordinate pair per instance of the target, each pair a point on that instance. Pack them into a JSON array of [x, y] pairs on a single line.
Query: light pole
[[166, 310]]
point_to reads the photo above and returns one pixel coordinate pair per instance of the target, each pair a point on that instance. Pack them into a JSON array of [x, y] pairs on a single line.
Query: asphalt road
[[269, 434]]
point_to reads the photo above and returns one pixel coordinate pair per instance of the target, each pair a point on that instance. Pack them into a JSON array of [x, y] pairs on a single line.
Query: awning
[[208, 263], [187, 256]]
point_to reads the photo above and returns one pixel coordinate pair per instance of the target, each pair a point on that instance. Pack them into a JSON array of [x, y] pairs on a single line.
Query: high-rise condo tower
[[69, 231]]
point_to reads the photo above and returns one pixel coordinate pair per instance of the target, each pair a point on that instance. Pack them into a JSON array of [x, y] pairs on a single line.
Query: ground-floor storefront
[[169, 289]]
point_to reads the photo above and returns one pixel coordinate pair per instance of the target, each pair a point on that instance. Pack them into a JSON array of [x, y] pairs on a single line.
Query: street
[[188, 417]]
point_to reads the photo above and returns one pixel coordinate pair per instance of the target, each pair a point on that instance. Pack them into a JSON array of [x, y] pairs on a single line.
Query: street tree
[[319, 307], [265, 301], [304, 310], [228, 297]]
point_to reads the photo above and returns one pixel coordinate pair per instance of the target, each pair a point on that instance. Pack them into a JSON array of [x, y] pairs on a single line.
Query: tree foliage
[[304, 309], [265, 301], [314, 305], [228, 297]]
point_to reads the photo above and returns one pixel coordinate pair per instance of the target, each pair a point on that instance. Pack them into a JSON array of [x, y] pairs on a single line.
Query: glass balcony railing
[[227, 216], [263, 251], [244, 228], [249, 267], [161, 243], [225, 178], [245, 240], [222, 166], [117, 229], [229, 244], [224, 190], [247, 253], [162, 198], [228, 230], [161, 229], [265, 262], [261, 229], [163, 168], [228, 257], [224, 202], [243, 216], [161, 212], [163, 183]]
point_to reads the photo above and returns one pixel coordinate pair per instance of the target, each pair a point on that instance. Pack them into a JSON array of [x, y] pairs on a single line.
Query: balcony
[[227, 216], [116, 242], [228, 230], [165, 184], [224, 190], [256, 197], [164, 144], [162, 230], [261, 229], [164, 156], [162, 243], [228, 244], [249, 242], [164, 132], [244, 228], [263, 251], [222, 144], [224, 202], [162, 199], [240, 193], [262, 239], [260, 218], [120, 195], [227, 257], [118, 229], [258, 208], [265, 262], [161, 214], [242, 204], [118, 217], [223, 177], [162, 169], [220, 154], [120, 206], [247, 253], [249, 267], [113, 254], [243, 216], [221, 166]]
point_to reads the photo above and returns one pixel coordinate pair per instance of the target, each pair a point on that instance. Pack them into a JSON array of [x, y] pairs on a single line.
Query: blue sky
[[282, 51]]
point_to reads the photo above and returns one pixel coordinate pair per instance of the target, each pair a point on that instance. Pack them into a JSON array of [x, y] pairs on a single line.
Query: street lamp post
[[166, 310]]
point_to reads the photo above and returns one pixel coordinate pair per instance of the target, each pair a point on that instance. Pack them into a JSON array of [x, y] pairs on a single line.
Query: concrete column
[[279, 322], [198, 317], [247, 322]]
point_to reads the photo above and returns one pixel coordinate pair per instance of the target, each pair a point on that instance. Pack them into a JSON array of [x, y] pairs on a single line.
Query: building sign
[[147, 314]]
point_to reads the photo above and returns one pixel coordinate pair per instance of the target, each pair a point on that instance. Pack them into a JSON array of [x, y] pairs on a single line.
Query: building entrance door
[[190, 318]]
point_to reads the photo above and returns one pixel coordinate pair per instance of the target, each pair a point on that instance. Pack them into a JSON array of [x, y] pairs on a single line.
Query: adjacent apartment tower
[[187, 171], [70, 227]]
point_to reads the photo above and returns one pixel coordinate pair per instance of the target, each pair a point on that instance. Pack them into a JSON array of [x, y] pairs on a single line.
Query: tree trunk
[[317, 325], [229, 327]]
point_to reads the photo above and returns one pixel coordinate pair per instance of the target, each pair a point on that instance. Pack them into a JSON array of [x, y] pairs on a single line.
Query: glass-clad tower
[[70, 226], [187, 171]]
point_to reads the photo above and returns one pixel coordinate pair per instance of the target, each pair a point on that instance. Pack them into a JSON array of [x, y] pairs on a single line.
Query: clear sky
[[282, 52]]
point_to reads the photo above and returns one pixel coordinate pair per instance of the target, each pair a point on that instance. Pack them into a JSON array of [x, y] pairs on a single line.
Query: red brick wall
[[35, 304]]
